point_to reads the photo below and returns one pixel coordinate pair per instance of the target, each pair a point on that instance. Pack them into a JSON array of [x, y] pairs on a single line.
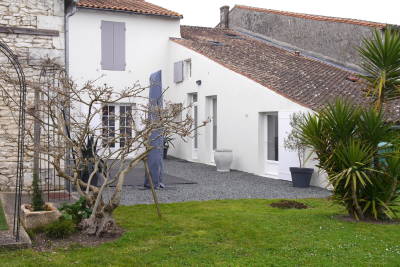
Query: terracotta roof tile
[[306, 81], [315, 17], [136, 6]]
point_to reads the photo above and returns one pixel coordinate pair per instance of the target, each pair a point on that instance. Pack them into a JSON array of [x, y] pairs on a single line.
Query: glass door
[[271, 147]]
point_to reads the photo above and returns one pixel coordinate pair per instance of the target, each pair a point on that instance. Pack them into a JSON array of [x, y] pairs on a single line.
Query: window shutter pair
[[178, 72], [113, 46]]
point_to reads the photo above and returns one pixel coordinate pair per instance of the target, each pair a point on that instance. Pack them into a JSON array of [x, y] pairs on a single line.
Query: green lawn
[[3, 222], [234, 233]]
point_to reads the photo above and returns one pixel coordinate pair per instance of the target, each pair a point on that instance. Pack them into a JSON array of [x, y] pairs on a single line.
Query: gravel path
[[214, 185]]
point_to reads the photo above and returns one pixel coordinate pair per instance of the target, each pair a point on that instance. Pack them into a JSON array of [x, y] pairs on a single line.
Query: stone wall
[[333, 41], [34, 31]]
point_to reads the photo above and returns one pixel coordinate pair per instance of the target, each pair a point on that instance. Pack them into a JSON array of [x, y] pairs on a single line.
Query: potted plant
[[38, 213], [301, 176]]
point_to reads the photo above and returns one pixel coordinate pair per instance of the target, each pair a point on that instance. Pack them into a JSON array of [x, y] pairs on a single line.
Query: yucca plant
[[358, 151], [381, 65]]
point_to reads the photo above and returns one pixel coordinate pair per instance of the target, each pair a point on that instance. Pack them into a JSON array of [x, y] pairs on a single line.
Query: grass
[[3, 222], [234, 233]]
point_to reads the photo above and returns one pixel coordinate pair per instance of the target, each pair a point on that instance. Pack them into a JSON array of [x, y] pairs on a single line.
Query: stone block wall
[[34, 30], [326, 39]]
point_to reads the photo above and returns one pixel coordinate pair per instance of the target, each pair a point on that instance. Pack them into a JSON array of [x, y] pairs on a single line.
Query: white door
[[214, 127], [271, 144], [195, 115]]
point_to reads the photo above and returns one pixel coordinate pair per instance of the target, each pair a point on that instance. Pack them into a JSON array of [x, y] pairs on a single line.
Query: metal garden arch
[[19, 182]]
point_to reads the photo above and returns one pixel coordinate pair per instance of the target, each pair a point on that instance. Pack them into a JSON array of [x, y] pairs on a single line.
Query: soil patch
[[41, 242], [348, 218], [289, 204]]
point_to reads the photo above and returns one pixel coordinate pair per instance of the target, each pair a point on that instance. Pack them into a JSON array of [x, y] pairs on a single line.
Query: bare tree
[[80, 121]]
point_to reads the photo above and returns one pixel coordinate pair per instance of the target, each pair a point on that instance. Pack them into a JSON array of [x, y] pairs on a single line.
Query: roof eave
[[130, 12]]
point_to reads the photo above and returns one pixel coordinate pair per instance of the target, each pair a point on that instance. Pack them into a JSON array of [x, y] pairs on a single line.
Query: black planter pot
[[301, 177]]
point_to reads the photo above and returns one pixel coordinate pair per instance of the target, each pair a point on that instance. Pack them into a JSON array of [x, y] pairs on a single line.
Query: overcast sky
[[206, 12]]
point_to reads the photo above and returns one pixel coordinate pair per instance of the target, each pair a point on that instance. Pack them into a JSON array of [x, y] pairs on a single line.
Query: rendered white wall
[[147, 39], [147, 47], [241, 102]]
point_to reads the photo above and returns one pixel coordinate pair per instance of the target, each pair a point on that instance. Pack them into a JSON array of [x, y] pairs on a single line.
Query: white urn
[[223, 159]]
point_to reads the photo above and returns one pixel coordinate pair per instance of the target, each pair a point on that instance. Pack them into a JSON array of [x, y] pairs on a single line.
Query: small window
[[188, 69], [182, 70], [113, 46], [176, 110]]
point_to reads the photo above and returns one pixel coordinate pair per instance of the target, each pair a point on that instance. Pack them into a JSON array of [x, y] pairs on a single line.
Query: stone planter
[[33, 219], [223, 159]]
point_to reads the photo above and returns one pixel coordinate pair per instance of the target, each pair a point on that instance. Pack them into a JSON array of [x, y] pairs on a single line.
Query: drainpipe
[[70, 10]]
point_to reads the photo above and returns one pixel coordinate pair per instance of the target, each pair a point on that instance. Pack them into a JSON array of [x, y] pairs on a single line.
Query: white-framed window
[[176, 108], [187, 66], [108, 126], [182, 70], [125, 124], [117, 125]]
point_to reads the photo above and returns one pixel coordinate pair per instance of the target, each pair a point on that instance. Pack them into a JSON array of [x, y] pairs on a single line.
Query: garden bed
[[40, 242]]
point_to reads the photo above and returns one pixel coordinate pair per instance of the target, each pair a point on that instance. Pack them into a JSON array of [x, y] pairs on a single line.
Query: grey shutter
[[107, 45], [178, 71], [119, 46]]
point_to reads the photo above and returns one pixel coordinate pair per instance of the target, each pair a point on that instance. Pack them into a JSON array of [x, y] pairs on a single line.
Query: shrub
[[60, 229], [37, 199], [293, 141], [360, 153], [76, 211]]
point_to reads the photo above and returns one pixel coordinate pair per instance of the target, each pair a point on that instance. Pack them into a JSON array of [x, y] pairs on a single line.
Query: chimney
[[224, 20]]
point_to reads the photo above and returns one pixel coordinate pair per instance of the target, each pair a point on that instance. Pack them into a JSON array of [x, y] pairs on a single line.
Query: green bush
[[360, 153], [76, 211], [60, 229]]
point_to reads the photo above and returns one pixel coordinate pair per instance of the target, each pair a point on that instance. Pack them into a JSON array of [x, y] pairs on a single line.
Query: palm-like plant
[[381, 64], [358, 151]]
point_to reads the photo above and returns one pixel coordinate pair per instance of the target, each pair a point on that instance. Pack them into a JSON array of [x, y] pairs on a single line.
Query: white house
[[247, 86], [120, 44]]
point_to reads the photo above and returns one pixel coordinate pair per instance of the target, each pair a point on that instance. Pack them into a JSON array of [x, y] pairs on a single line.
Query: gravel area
[[215, 185]]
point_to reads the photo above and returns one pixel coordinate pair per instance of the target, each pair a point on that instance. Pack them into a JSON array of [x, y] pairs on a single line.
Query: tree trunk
[[99, 225]]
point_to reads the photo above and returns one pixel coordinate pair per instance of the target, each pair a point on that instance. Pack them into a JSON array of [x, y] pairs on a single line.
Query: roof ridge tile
[[315, 17]]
